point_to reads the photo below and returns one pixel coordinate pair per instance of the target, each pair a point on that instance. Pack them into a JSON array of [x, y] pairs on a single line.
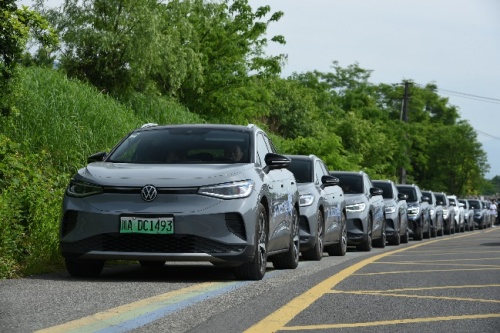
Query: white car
[[459, 213]]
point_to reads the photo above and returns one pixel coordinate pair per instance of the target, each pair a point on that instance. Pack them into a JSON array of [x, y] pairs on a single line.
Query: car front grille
[[149, 244]]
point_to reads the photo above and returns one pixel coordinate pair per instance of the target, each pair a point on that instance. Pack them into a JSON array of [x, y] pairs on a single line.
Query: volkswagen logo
[[149, 193]]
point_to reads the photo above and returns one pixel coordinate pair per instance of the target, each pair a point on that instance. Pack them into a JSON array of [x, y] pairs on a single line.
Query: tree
[[17, 26]]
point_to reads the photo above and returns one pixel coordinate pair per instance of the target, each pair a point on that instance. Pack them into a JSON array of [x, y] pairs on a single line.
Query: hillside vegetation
[[137, 61]]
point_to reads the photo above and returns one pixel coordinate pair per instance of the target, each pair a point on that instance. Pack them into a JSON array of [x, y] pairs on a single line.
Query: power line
[[470, 96], [488, 135]]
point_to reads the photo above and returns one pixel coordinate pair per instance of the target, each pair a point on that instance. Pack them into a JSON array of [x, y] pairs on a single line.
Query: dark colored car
[[418, 210], [480, 213], [396, 212], [172, 193], [365, 210], [448, 213], [436, 214], [468, 215], [322, 208]]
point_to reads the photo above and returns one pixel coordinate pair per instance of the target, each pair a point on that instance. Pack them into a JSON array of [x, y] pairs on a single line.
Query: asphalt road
[[449, 283]]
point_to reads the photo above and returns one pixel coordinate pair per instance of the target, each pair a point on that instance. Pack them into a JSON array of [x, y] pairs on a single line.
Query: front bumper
[[205, 229]]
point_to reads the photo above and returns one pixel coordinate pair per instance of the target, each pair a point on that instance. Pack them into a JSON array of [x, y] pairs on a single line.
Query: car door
[[333, 196], [279, 200], [377, 204]]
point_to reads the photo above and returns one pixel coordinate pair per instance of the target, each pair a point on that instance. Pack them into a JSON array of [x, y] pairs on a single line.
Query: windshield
[[184, 145], [386, 187], [474, 204], [410, 192], [302, 170], [428, 195], [351, 184]]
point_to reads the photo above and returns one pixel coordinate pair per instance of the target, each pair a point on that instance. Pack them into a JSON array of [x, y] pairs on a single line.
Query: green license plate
[[141, 225]]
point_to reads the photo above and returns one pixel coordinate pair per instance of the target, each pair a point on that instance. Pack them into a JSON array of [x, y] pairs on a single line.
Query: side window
[[262, 149], [318, 172], [368, 184]]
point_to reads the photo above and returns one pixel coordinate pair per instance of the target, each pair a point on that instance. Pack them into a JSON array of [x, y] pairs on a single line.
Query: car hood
[[354, 198], [305, 188], [162, 175]]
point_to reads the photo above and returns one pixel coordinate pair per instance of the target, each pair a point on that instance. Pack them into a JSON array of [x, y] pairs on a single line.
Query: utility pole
[[404, 118]]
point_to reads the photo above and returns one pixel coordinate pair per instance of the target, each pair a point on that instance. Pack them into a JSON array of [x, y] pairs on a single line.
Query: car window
[[262, 149], [167, 146], [318, 172], [387, 188], [410, 192], [428, 195], [351, 184], [301, 169]]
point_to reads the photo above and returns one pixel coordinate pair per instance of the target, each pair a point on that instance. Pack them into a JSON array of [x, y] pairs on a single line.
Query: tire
[[152, 263], [471, 226], [84, 268], [396, 240], [434, 232], [340, 248], [380, 242], [447, 231], [418, 233], [406, 237], [290, 259], [256, 268], [316, 252], [427, 234], [366, 245]]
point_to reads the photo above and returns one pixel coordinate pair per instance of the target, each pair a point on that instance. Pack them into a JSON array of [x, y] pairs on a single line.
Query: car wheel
[[406, 237], [316, 252], [256, 268], [440, 232], [471, 226], [340, 248], [397, 239], [418, 233], [366, 245], [434, 232], [84, 268], [427, 234], [380, 242], [290, 259]]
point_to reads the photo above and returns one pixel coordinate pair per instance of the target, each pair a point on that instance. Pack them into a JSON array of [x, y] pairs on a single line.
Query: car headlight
[[445, 213], [390, 209], [79, 189], [354, 208], [432, 211], [233, 190], [413, 210], [306, 200]]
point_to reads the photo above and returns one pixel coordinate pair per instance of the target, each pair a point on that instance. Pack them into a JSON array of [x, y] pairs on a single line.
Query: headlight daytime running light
[[233, 190], [390, 209], [80, 189], [413, 210], [355, 208], [306, 200]]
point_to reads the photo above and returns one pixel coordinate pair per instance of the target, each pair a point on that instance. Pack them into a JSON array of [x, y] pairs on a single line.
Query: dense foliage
[[123, 63]]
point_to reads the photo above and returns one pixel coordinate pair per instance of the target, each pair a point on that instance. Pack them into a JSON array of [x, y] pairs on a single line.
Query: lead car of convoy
[[214, 193]]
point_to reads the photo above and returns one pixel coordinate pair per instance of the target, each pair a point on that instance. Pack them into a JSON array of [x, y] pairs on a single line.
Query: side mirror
[[461, 205], [329, 180], [402, 196], [97, 157], [376, 191], [276, 161]]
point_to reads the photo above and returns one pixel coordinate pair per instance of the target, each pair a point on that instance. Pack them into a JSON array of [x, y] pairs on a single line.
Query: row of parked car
[[222, 194]]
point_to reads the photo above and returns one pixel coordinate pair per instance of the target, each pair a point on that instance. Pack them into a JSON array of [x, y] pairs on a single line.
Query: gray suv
[[365, 210], [322, 208], [418, 210], [396, 214], [213, 193]]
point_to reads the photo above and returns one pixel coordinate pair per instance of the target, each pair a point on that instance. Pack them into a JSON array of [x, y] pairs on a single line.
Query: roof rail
[[149, 125]]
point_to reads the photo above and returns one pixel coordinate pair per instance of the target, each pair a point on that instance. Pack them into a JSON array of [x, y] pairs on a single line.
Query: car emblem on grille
[[149, 193]]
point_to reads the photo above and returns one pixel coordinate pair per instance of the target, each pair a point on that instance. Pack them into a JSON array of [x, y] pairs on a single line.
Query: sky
[[454, 44]]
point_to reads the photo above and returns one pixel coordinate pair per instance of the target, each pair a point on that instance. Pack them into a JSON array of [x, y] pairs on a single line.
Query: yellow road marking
[[467, 286], [415, 296], [429, 271], [105, 315], [391, 322], [278, 319], [432, 264]]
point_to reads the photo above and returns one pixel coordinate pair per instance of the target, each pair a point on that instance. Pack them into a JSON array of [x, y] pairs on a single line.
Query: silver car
[[184, 193], [322, 208], [365, 210]]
